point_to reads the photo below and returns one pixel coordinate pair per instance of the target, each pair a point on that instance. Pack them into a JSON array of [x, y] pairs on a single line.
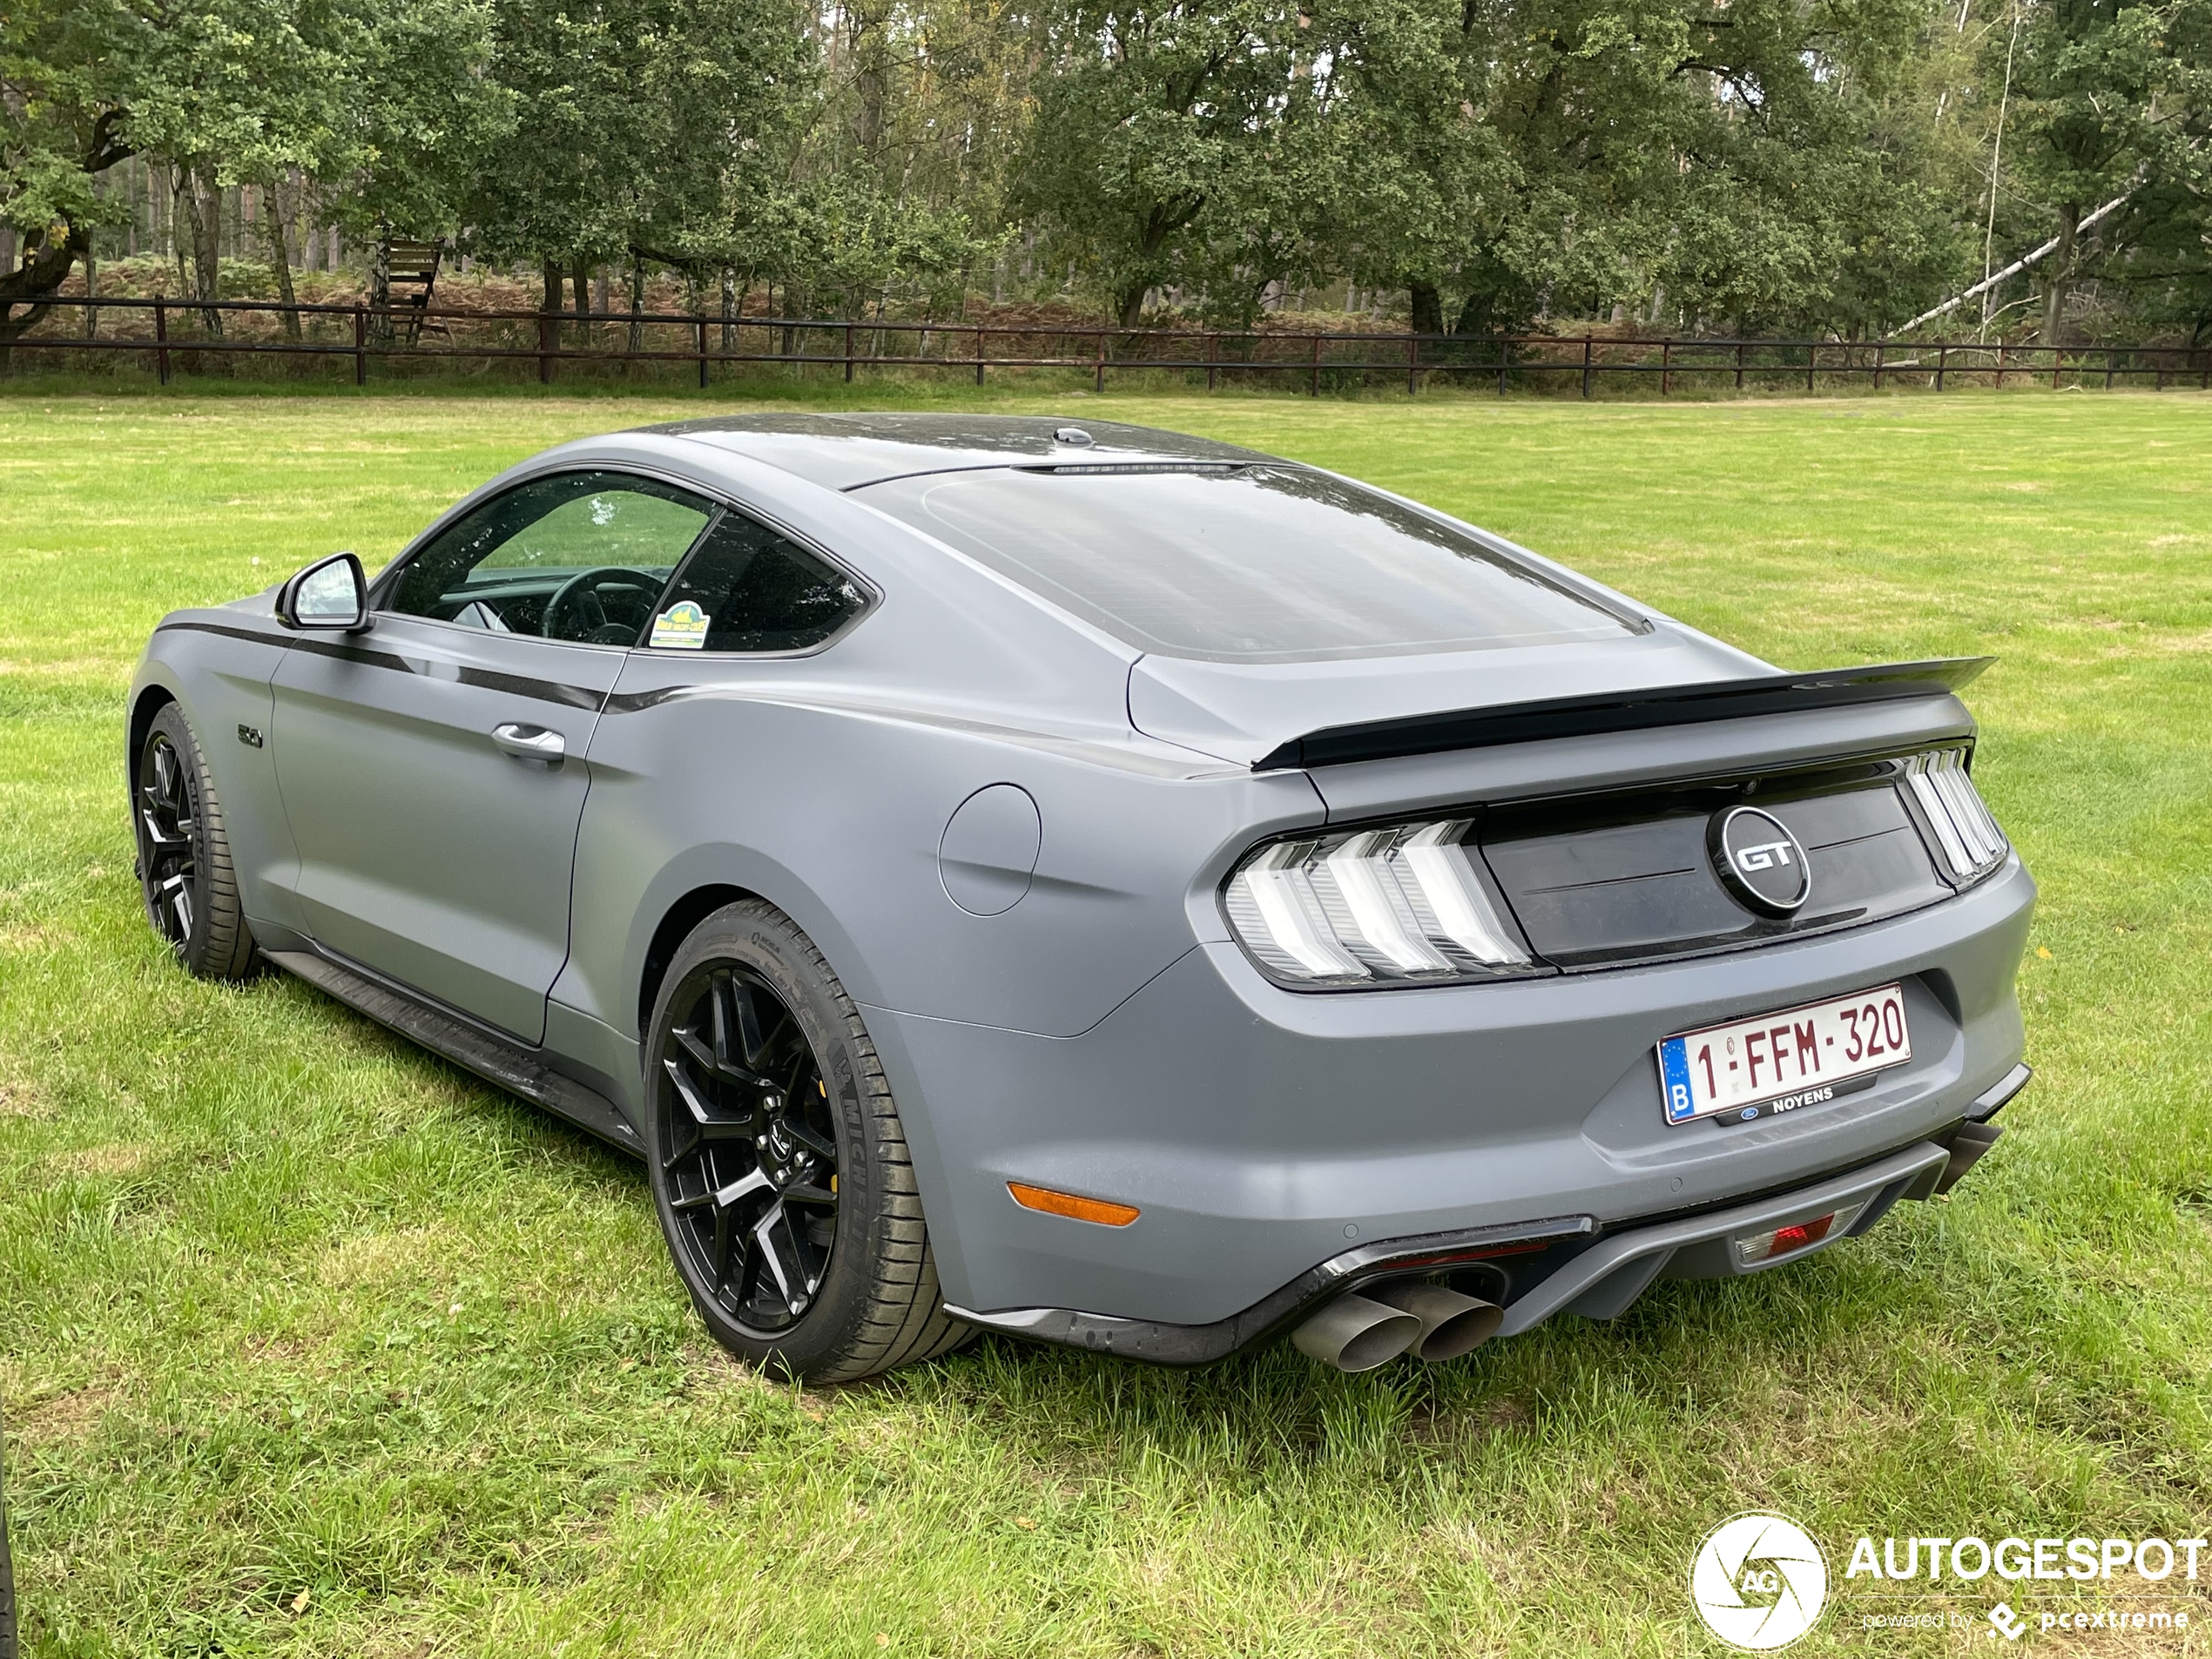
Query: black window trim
[[718, 500]]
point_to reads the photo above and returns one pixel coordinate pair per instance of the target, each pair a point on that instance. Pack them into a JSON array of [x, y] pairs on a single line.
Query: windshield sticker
[[682, 627]]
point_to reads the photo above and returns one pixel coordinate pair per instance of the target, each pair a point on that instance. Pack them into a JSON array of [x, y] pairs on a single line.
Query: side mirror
[[330, 593]]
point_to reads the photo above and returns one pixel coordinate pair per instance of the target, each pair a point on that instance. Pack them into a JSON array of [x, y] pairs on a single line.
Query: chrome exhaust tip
[[1354, 1334], [1452, 1324]]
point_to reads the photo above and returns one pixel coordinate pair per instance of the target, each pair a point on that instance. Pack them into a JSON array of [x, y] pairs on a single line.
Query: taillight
[[1403, 903], [1971, 843]]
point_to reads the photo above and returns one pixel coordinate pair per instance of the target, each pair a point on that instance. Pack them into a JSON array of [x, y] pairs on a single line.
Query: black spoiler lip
[[1576, 716]]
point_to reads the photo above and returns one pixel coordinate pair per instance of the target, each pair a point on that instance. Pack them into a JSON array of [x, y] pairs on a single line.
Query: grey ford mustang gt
[[1101, 885]]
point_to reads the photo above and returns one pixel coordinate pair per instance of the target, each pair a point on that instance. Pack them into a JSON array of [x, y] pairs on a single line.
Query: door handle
[[530, 743]]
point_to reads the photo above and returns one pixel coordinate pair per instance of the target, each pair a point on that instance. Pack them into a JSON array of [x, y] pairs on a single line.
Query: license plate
[[1776, 1062]]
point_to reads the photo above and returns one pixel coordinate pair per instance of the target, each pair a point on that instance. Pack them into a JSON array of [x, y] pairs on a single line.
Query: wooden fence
[[174, 337]]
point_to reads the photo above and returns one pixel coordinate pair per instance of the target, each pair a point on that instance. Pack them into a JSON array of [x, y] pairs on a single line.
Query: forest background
[[1828, 167]]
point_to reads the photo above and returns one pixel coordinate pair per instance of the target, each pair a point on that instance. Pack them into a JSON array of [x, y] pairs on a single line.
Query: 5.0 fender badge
[[1760, 862]]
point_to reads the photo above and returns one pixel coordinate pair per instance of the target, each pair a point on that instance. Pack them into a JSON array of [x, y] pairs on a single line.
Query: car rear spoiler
[[1574, 717]]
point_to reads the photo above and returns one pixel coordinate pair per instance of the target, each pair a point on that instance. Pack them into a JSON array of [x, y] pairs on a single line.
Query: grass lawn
[[310, 1344]]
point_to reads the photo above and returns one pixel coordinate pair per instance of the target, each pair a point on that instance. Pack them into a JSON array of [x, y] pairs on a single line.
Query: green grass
[[311, 1345]]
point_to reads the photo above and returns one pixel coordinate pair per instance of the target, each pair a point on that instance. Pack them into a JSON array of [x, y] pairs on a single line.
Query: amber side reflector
[[1066, 1204]]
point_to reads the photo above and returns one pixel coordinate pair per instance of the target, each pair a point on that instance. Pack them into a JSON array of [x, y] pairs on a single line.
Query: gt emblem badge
[[1759, 861]]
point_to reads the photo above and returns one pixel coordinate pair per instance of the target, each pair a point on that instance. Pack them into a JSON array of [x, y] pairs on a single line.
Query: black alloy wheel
[[184, 866], [751, 1155], [779, 1168], [169, 835]]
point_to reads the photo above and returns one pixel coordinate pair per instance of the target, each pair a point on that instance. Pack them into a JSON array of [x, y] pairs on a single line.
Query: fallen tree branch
[[2015, 268]]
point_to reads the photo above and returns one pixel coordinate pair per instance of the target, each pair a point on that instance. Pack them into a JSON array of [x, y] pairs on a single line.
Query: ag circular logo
[[1759, 861], [1759, 1581]]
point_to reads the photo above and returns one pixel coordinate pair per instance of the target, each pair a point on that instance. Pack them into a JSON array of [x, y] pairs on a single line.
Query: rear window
[[1242, 564]]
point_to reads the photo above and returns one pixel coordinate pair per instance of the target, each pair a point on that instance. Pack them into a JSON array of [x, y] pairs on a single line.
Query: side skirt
[[518, 1070]]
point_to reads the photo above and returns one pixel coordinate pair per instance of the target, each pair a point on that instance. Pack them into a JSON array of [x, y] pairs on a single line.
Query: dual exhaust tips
[[1359, 1332]]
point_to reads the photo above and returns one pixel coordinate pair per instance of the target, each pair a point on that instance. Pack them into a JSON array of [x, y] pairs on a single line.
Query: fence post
[[1812, 357], [1739, 365], [1098, 376], [1943, 360], [1881, 348], [1413, 365], [1313, 374], [2000, 365], [1213, 357], [361, 345], [848, 354], [978, 356], [1505, 361], [701, 326], [1666, 367], [161, 342], [2058, 365], [1586, 365]]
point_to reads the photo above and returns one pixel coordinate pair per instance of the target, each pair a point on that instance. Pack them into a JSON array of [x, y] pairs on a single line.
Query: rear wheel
[[183, 855], [778, 1164]]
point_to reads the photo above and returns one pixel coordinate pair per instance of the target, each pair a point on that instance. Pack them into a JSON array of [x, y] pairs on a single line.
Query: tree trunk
[[552, 271], [637, 302], [380, 288], [1129, 305], [729, 309], [280, 257], [2059, 283], [201, 200], [1429, 309]]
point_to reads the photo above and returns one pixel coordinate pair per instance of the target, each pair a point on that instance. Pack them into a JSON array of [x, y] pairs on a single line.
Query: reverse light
[[1971, 843], [1401, 903], [1753, 1248]]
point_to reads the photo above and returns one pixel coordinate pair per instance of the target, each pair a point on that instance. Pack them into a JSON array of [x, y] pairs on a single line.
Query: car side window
[[578, 555], [748, 589]]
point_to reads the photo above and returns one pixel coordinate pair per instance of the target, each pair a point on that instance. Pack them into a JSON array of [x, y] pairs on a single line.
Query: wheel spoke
[[765, 1231], [701, 1054], [725, 1231], [751, 1181], [808, 1136], [805, 1192], [746, 1014]]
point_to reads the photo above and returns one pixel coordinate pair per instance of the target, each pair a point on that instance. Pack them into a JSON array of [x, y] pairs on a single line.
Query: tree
[[2111, 97], [425, 114], [63, 107], [1155, 123], [1528, 152], [234, 91]]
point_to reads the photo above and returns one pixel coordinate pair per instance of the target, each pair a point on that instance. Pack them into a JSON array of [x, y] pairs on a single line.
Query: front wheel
[[183, 855], [777, 1161]]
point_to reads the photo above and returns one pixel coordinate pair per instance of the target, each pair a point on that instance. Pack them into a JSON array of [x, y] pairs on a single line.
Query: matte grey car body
[[1011, 833]]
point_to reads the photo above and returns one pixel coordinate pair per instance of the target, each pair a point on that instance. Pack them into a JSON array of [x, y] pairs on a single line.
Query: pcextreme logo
[[1759, 1581]]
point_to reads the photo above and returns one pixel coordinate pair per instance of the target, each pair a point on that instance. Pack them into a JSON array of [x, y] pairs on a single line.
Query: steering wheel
[[581, 591]]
